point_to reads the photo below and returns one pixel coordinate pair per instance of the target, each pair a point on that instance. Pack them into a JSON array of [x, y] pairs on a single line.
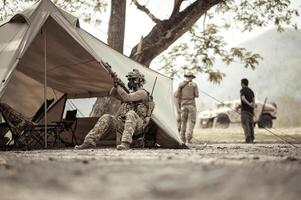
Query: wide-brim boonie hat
[[189, 74]]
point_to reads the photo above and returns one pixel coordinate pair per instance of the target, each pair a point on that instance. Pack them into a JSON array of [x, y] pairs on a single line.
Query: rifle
[[154, 86], [117, 81]]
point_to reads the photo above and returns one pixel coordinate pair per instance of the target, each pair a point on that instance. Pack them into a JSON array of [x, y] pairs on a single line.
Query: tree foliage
[[86, 10], [207, 43], [202, 22], [202, 52]]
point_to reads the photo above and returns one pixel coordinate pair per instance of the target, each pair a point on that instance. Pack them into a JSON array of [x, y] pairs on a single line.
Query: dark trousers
[[247, 123]]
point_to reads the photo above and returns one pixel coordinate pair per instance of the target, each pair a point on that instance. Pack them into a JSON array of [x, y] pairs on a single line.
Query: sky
[[139, 24]]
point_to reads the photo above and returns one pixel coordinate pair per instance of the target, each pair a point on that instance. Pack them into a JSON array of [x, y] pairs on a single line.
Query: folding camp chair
[[34, 134], [68, 124], [146, 139], [54, 131], [22, 136], [15, 141]]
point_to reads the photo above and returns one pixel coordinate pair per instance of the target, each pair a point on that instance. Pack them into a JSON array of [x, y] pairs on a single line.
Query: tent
[[45, 54]]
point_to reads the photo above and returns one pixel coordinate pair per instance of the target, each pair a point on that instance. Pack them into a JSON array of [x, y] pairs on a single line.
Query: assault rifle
[[117, 81]]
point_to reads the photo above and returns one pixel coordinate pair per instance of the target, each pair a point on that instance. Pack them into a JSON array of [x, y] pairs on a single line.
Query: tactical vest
[[143, 108], [188, 92]]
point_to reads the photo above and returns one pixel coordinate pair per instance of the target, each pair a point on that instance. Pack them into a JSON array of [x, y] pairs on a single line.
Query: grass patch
[[230, 135]]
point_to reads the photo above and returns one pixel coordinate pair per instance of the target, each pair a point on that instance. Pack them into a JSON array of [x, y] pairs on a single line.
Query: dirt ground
[[221, 169]]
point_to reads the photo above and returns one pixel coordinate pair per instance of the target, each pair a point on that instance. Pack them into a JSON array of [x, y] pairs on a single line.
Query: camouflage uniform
[[131, 118], [186, 94], [15, 120], [178, 110]]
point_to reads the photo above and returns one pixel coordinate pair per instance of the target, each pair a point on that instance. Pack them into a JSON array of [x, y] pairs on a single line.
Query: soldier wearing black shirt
[[247, 110]]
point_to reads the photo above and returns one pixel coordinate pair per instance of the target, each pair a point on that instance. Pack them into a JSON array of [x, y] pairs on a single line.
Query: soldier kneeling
[[131, 118]]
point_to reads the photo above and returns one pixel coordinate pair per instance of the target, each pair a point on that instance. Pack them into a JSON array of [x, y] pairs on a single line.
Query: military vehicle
[[228, 112]]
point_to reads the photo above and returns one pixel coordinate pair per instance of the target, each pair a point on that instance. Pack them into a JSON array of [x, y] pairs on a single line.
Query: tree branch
[[147, 11], [176, 7], [168, 31]]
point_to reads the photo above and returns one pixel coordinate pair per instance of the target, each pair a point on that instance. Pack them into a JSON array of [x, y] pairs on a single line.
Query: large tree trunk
[[117, 25], [163, 34], [166, 32], [115, 40]]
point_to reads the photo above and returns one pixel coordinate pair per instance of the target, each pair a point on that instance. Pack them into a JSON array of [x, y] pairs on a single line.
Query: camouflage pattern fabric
[[126, 122], [179, 121], [123, 109], [142, 110], [131, 118], [106, 124], [133, 125], [14, 119], [178, 109], [186, 111], [188, 118]]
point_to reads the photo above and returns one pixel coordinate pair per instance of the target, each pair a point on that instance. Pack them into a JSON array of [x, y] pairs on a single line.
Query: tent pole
[[45, 84]]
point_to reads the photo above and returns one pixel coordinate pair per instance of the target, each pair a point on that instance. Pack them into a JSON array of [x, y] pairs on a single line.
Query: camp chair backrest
[[70, 118], [71, 115], [40, 113]]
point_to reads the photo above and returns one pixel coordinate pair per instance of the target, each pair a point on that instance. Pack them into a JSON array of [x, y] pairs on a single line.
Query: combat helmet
[[136, 75]]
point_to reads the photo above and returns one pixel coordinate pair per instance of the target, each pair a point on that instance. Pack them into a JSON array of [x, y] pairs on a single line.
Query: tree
[[116, 41], [206, 44], [198, 19], [85, 9]]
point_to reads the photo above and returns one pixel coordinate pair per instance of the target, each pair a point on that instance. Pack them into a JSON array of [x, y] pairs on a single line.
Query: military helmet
[[135, 74], [189, 74]]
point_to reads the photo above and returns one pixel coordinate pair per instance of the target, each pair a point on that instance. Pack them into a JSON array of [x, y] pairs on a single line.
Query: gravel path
[[215, 171]]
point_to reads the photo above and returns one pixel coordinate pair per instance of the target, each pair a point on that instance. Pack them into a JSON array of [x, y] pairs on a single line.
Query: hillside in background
[[277, 76]]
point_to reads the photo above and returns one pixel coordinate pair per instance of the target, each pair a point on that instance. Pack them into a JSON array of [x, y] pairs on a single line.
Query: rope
[[294, 138], [281, 138]]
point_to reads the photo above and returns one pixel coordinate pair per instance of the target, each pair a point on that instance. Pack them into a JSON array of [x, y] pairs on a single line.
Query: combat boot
[[188, 142], [84, 146], [123, 146]]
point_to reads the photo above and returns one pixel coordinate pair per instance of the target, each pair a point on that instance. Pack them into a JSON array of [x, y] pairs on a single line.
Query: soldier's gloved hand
[[116, 83]]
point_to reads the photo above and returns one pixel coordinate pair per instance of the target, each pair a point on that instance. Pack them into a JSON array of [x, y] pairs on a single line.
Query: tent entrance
[[71, 69], [54, 64]]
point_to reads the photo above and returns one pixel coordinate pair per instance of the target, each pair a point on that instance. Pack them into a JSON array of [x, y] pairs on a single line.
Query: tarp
[[45, 35]]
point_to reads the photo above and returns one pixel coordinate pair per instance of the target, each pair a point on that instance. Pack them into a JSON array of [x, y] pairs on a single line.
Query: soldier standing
[[131, 118], [186, 94], [178, 108], [247, 110]]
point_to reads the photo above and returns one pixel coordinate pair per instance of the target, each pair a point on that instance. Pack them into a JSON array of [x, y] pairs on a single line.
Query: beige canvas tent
[[45, 54]]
